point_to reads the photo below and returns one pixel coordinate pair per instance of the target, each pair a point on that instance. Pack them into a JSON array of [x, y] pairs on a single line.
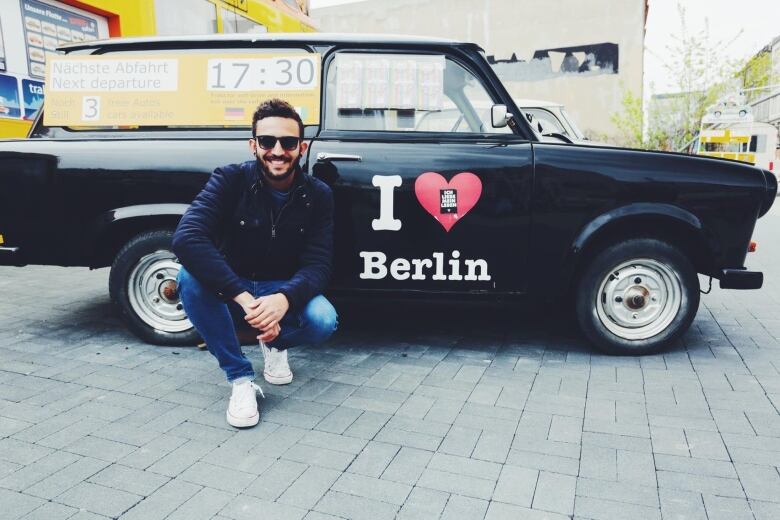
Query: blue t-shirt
[[279, 199]]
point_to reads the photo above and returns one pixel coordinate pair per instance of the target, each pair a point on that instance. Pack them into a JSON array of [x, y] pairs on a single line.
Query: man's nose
[[277, 149]]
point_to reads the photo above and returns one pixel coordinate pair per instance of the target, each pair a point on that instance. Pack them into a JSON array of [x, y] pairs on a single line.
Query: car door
[[429, 196]]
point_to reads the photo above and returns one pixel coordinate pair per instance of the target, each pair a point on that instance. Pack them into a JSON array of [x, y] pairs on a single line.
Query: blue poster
[[32, 94], [9, 97]]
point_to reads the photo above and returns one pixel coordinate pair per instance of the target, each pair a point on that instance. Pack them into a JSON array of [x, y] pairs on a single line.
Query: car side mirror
[[499, 116]]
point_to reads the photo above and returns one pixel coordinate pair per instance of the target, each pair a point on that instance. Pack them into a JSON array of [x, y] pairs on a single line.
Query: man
[[256, 248]]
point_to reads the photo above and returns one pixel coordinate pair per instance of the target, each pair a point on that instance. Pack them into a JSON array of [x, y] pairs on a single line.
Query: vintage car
[[490, 211]]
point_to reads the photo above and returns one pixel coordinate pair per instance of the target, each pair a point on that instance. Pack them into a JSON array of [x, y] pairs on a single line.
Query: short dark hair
[[275, 108]]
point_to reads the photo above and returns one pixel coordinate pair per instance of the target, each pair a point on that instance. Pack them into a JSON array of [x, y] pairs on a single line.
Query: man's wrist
[[243, 299]]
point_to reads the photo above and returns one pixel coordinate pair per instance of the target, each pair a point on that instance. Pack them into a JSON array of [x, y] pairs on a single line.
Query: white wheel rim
[[639, 299], [153, 292]]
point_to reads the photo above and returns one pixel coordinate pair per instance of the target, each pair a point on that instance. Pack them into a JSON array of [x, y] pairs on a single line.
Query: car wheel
[[637, 296], [143, 286]]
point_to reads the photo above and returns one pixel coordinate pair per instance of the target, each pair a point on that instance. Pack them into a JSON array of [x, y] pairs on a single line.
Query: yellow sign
[[177, 89]]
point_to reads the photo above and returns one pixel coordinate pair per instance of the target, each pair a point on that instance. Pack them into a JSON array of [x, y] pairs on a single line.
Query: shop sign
[[170, 89], [9, 97], [32, 96], [46, 27]]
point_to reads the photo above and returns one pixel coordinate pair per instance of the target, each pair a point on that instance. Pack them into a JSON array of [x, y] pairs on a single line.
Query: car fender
[[641, 213], [130, 220]]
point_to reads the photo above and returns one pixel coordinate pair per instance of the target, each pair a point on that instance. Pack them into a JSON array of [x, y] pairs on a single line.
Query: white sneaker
[[277, 369], [242, 409]]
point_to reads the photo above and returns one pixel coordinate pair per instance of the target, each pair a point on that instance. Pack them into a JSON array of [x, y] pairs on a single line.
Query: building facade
[[765, 103], [32, 29], [582, 54]]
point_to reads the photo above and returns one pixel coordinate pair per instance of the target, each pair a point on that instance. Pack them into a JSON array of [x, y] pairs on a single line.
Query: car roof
[[304, 38]]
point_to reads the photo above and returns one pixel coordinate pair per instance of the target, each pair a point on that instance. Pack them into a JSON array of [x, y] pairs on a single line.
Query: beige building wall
[[504, 27]]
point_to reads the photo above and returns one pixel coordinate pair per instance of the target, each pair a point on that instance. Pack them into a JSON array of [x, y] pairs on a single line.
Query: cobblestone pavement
[[465, 414]]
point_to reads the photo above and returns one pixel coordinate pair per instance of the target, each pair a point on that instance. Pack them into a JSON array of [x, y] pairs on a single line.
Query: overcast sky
[[759, 21]]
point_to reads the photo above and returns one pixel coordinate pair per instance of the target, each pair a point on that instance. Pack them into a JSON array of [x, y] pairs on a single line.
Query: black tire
[[157, 243], [603, 267]]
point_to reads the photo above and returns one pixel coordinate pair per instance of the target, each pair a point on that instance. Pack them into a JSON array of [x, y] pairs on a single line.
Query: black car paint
[[71, 198]]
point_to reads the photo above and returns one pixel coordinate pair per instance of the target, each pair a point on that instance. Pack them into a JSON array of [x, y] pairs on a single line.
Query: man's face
[[277, 162]]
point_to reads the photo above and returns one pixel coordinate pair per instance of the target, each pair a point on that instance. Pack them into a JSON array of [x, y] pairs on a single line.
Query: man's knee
[[189, 287], [320, 318]]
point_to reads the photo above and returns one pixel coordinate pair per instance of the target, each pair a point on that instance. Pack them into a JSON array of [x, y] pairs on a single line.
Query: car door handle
[[329, 157]]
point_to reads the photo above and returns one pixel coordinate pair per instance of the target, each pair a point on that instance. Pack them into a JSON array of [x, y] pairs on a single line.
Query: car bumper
[[741, 279]]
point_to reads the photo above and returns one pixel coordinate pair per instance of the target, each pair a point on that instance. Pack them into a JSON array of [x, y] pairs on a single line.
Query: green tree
[[701, 75]]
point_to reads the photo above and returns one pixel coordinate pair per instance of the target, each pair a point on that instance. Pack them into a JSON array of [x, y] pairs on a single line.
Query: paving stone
[[720, 508], [715, 468], [637, 467], [326, 458], [460, 441], [759, 482], [334, 442], [251, 508], [501, 511], [598, 509], [493, 446], [555, 493], [367, 425], [276, 479], [128, 479], [354, 507], [618, 491], [163, 502], [204, 505], [338, 420], [98, 499], [516, 486], [374, 459], [456, 484], [552, 463], [51, 511], [681, 504], [728, 487], [217, 477], [181, 458], [28, 475], [464, 508], [19, 452], [310, 486], [465, 466], [407, 466], [97, 448], [373, 488], [16, 505], [66, 478], [423, 503]]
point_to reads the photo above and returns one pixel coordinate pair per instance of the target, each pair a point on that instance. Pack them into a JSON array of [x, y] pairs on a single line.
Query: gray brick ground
[[479, 415]]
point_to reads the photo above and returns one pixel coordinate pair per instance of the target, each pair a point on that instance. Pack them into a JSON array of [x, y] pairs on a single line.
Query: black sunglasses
[[268, 142]]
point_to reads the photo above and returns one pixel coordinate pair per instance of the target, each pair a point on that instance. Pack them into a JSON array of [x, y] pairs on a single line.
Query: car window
[[547, 119], [405, 93]]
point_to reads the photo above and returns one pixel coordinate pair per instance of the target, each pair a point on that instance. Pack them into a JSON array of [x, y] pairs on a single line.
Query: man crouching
[[256, 246]]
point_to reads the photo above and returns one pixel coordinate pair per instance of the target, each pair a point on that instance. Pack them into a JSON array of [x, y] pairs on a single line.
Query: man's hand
[[266, 311], [270, 334]]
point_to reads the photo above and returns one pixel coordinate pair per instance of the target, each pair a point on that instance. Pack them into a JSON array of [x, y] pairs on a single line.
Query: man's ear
[[304, 147], [253, 146]]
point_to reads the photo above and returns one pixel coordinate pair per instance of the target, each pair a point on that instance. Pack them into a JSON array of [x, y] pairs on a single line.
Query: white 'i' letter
[[387, 185]]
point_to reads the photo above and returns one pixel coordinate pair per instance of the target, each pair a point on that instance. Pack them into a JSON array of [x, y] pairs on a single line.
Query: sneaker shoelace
[[246, 396]]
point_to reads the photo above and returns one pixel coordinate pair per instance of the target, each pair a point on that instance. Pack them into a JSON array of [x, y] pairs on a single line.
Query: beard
[[273, 177]]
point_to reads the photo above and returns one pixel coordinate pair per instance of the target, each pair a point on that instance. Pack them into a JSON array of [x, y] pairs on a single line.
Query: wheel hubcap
[[154, 293], [638, 299]]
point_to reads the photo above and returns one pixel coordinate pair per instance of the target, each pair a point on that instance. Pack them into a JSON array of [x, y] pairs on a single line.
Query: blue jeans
[[216, 322]]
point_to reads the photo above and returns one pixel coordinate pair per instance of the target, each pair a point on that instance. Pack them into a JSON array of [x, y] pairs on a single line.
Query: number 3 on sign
[[90, 108]]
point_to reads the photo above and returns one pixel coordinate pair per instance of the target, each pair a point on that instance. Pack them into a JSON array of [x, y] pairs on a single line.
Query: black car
[[490, 210]]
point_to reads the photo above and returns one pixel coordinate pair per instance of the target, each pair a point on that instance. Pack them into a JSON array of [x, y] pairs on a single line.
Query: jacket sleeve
[[196, 237], [314, 272]]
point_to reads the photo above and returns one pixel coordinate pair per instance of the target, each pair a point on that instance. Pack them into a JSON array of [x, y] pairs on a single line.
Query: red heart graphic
[[448, 202]]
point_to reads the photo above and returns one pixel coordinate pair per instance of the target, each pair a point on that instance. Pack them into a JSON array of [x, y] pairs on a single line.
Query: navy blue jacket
[[230, 231]]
